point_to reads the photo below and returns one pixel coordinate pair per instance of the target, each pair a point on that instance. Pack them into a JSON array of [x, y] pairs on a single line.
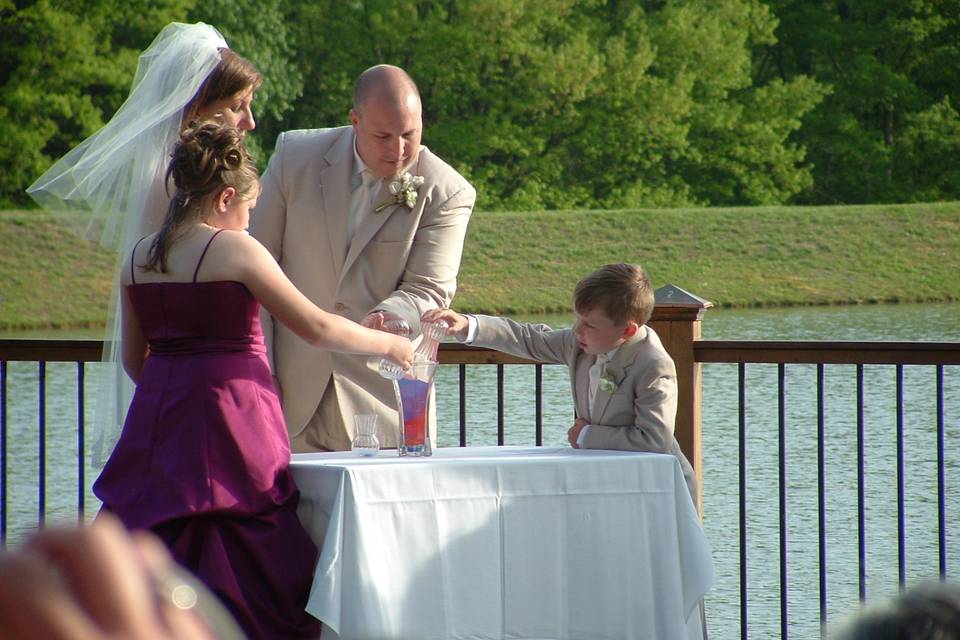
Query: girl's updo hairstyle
[[208, 158]]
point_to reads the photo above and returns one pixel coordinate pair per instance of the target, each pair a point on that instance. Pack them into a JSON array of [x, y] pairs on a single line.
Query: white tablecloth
[[504, 542]]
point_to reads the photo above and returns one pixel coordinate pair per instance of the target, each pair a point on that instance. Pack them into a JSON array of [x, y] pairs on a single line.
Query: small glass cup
[[365, 441]]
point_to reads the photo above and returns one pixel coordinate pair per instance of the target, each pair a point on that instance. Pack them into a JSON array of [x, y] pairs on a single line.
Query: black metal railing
[[821, 354], [742, 354]]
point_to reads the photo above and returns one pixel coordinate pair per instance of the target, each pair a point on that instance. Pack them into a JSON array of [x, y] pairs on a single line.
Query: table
[[503, 542]]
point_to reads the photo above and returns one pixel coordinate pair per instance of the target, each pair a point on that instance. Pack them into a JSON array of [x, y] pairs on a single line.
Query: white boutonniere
[[405, 191], [608, 383]]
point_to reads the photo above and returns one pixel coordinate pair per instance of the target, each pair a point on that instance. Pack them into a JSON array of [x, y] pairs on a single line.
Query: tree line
[[550, 104]]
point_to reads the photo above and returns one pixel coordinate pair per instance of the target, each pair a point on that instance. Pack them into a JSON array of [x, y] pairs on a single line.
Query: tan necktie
[[360, 205]]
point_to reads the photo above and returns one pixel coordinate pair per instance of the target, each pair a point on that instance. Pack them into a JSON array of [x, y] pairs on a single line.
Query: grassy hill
[[528, 262], [49, 278], [521, 263]]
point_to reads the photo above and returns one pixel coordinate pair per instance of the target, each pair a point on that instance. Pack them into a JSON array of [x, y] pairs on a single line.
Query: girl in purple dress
[[203, 457]]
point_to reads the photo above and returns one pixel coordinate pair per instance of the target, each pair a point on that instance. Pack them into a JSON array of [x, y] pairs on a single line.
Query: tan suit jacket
[[402, 260], [638, 416]]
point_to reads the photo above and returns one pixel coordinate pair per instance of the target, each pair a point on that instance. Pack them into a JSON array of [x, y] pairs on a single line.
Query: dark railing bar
[[901, 532], [941, 498], [42, 442], [821, 503], [782, 464], [769, 351], [500, 421], [463, 404], [3, 455], [81, 480], [538, 375], [861, 519], [14, 350], [742, 421], [458, 353], [815, 352]]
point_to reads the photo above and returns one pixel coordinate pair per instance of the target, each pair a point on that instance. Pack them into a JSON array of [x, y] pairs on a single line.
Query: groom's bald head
[[386, 84], [387, 120]]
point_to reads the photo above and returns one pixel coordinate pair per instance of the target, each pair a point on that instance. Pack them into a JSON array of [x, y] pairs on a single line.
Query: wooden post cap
[[674, 303]]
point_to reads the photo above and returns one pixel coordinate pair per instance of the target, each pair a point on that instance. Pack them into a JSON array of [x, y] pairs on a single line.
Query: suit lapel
[[616, 369], [335, 186]]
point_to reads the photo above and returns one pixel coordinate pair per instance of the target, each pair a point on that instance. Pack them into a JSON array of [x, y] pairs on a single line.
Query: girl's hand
[[400, 351]]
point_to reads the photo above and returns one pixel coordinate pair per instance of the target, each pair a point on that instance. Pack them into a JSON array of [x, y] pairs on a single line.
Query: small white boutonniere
[[607, 383], [405, 191]]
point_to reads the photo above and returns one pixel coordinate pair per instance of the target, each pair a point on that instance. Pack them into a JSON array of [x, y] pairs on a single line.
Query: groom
[[327, 214]]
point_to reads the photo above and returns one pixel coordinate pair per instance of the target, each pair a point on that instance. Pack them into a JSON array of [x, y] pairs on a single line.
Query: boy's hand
[[456, 322], [574, 432]]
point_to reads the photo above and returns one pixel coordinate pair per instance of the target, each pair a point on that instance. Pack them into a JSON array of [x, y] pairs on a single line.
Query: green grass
[[523, 263], [49, 278], [757, 256]]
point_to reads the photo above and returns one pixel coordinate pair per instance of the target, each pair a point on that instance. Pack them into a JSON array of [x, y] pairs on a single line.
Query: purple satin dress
[[203, 457]]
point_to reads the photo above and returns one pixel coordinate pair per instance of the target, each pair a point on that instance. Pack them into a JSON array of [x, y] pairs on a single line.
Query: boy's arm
[[654, 410], [534, 341]]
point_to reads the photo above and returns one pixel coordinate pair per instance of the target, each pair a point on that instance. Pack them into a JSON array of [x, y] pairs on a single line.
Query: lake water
[[935, 322]]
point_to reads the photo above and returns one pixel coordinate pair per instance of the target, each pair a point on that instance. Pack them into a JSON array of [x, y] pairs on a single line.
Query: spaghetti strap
[[202, 255], [133, 255]]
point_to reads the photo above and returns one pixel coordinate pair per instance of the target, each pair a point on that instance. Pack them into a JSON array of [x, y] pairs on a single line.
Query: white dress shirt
[[596, 372]]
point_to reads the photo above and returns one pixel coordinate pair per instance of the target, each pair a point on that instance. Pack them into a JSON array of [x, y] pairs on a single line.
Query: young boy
[[624, 382]]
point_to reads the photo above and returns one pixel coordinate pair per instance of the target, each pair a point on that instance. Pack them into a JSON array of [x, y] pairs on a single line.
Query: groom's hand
[[377, 319], [373, 321]]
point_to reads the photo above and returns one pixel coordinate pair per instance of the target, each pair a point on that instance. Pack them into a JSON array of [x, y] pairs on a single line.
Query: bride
[[111, 187]]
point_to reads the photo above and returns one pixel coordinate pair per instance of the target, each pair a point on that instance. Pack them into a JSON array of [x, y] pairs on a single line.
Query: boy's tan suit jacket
[[401, 260], [638, 416]]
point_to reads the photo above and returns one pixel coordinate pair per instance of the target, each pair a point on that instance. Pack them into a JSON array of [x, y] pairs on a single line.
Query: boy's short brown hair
[[622, 291]]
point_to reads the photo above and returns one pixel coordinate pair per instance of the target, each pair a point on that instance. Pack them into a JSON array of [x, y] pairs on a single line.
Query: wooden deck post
[[676, 319]]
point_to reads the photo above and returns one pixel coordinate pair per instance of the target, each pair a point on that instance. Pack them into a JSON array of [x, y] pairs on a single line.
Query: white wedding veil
[[110, 188]]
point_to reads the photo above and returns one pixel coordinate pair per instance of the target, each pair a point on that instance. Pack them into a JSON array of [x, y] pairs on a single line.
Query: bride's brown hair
[[208, 158], [233, 74]]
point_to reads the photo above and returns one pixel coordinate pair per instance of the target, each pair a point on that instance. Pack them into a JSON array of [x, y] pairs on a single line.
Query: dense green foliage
[[62, 73], [551, 104], [528, 262], [889, 131]]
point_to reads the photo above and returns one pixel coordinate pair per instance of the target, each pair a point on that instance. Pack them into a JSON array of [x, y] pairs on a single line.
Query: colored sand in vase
[[413, 397]]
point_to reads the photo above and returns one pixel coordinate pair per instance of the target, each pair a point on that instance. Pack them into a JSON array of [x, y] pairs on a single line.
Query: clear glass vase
[[413, 389], [413, 402]]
